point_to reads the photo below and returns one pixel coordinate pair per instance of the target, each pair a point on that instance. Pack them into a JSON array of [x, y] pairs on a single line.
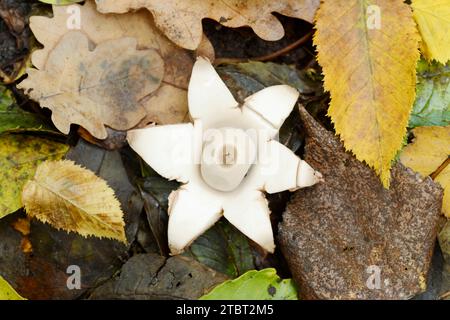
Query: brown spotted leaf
[[368, 51], [72, 198], [168, 104], [181, 20], [95, 88]]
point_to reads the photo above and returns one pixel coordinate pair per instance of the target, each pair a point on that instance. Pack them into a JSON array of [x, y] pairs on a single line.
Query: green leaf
[[224, 249], [19, 157], [7, 292], [14, 119], [432, 105], [61, 2], [255, 285]]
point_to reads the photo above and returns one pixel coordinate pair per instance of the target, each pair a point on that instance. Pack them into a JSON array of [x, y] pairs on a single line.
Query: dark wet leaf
[[14, 119], [43, 274], [175, 278], [223, 248], [338, 233], [444, 241]]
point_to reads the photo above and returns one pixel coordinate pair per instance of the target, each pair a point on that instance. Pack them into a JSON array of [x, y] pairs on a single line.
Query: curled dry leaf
[[167, 104], [95, 88], [72, 198], [181, 20], [371, 99], [429, 153]]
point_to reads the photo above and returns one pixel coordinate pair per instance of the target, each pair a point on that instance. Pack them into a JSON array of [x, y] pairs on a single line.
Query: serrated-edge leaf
[[370, 74], [433, 21], [73, 198]]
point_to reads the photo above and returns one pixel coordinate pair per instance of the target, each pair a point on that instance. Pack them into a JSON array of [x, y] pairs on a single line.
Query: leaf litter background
[[34, 256]]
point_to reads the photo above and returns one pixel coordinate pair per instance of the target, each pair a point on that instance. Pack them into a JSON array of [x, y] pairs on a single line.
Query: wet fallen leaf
[[166, 105], [432, 18], [181, 20], [14, 119], [429, 152], [19, 157], [432, 105], [7, 292], [255, 285], [95, 88], [175, 278], [341, 235], [372, 97], [223, 248], [72, 198]]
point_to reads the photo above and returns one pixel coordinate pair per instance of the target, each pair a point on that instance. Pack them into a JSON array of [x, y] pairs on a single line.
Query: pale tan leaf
[[95, 88], [181, 20], [74, 199], [99, 28], [369, 70]]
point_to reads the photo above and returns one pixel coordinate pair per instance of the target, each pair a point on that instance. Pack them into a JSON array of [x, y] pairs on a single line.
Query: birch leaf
[[7, 292], [19, 157], [181, 20], [74, 199], [95, 88], [429, 153], [433, 20], [368, 52]]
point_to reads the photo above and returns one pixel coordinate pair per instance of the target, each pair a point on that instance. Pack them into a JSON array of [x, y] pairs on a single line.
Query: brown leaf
[[181, 20], [95, 88], [175, 278], [139, 25], [338, 233], [72, 198]]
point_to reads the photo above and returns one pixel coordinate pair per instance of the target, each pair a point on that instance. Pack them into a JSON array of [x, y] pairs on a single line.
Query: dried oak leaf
[[95, 88], [168, 104], [430, 152], [181, 20], [339, 235], [369, 70], [72, 198]]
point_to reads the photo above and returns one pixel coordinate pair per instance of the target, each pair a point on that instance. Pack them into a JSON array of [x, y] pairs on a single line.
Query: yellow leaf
[[19, 157], [181, 20], [72, 198], [433, 20], [429, 152], [368, 51], [7, 292]]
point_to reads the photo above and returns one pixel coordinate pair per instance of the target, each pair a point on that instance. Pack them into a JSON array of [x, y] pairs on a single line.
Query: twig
[[441, 168], [267, 57]]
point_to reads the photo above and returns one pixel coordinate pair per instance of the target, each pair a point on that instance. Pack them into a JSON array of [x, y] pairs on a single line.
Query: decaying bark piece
[[337, 235]]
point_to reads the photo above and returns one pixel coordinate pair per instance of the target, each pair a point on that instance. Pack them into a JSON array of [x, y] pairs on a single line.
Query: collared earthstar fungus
[[225, 159]]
